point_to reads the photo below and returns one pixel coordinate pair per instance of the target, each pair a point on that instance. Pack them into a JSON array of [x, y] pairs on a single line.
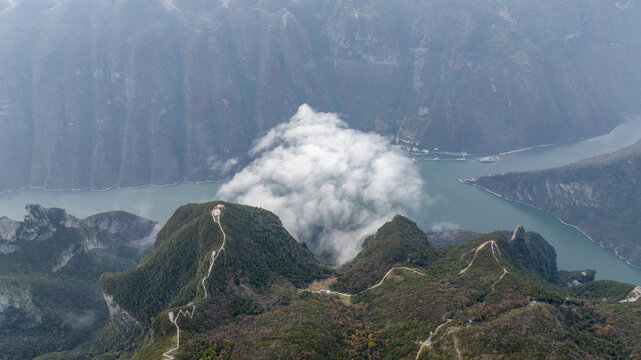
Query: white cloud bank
[[314, 171]]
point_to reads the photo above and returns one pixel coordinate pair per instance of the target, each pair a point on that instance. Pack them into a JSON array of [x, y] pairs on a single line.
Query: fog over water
[[444, 202]]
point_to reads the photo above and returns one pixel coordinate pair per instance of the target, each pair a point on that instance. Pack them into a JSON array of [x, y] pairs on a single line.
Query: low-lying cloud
[[444, 226], [316, 173]]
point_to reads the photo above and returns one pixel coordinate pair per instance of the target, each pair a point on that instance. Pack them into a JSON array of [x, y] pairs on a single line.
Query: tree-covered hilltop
[[398, 242], [493, 297], [600, 195], [259, 253], [261, 266], [50, 263], [498, 295]]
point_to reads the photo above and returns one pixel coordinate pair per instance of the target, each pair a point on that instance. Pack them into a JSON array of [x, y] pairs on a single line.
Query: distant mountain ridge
[[101, 94], [50, 263]]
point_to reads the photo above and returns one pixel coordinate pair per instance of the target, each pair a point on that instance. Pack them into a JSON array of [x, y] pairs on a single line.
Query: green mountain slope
[[600, 195], [499, 307], [261, 266], [50, 299], [399, 241], [499, 295]]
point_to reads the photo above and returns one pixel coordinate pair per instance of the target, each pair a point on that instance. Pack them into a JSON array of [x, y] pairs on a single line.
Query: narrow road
[[634, 295], [495, 249], [348, 296], [428, 343], [456, 348], [390, 271], [332, 292], [215, 215]]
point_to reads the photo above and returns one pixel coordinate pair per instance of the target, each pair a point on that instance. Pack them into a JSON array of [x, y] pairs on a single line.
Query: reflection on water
[[452, 204]]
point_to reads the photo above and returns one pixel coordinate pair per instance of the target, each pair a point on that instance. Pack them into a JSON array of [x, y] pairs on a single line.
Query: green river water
[[451, 203]]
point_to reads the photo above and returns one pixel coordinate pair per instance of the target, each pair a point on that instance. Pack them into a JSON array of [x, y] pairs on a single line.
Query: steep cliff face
[[48, 238], [600, 195], [534, 253], [97, 94], [49, 268]]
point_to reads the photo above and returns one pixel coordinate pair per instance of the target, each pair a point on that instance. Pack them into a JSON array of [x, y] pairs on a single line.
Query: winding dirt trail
[[173, 318], [428, 343], [349, 296], [390, 271], [495, 249], [331, 292], [456, 348]]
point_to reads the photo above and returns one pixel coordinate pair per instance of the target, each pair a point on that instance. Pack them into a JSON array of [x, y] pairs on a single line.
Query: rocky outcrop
[[119, 317], [534, 253], [518, 234], [50, 264], [8, 229], [118, 233], [17, 309], [634, 295], [124, 228], [98, 94], [41, 223]]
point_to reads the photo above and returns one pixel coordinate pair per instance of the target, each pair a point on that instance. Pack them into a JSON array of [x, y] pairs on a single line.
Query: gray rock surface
[[518, 234], [17, 308], [50, 265], [118, 233], [599, 195], [96, 94], [8, 229]]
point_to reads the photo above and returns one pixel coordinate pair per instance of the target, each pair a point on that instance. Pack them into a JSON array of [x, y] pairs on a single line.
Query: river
[[452, 204]]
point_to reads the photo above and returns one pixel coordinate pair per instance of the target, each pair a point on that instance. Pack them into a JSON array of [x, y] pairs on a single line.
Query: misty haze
[[312, 179]]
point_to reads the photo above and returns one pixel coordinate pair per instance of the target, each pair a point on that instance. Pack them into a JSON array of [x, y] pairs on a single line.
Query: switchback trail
[[495, 249], [173, 318], [428, 343]]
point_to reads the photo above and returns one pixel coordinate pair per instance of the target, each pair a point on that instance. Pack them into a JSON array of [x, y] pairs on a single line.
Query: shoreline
[[516, 151], [504, 153], [114, 187], [616, 252]]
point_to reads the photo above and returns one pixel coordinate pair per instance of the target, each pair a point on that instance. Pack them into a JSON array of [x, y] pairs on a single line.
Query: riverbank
[[616, 252], [114, 187]]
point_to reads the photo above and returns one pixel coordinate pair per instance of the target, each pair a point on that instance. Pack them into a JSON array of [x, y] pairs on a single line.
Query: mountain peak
[[518, 233], [258, 253], [399, 241]]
